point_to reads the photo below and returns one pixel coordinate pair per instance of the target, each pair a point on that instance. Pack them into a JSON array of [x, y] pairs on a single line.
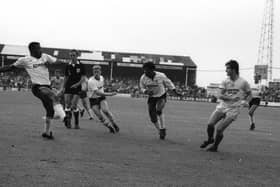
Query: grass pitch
[[92, 156]]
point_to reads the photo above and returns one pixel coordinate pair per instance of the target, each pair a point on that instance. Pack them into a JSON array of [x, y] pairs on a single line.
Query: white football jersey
[[94, 84], [157, 85], [36, 68], [237, 88]]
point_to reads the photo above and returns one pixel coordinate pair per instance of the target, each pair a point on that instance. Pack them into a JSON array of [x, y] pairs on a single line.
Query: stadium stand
[[122, 71]]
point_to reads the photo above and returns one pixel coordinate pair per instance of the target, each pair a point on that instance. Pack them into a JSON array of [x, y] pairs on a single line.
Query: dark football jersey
[[74, 72]]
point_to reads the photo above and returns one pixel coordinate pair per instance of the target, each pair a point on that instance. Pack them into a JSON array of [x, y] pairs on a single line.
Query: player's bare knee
[[250, 113]]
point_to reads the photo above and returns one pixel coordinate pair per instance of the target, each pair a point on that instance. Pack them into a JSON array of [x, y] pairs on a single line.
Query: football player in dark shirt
[[74, 77]]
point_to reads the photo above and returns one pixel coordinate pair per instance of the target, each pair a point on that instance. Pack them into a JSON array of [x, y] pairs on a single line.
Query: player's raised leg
[[98, 113], [219, 133], [105, 109]]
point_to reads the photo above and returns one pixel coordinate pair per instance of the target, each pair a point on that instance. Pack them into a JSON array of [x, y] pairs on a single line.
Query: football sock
[[76, 116], [161, 121], [218, 139], [104, 122], [210, 132], [68, 116], [90, 113], [47, 125], [110, 117], [68, 113], [157, 125], [251, 119]]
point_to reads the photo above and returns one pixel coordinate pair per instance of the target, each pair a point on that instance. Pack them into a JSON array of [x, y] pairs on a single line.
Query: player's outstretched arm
[[111, 93], [97, 92], [175, 92]]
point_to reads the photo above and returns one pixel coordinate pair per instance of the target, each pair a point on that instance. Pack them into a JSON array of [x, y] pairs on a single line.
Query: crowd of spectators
[[20, 81], [121, 85], [15, 80], [270, 94]]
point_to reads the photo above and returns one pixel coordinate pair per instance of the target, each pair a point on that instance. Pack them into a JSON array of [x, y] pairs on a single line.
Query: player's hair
[[32, 45], [149, 65], [75, 51], [233, 64], [96, 67]]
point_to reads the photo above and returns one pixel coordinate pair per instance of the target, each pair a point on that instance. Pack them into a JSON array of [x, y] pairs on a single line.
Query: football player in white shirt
[[35, 65], [235, 93], [97, 99], [155, 85]]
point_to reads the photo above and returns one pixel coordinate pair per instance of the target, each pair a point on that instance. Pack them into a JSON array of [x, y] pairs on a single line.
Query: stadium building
[[180, 69]]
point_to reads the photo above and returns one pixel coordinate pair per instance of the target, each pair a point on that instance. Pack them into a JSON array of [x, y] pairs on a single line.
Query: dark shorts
[[254, 101], [96, 101], [154, 100], [83, 94], [47, 102], [73, 91], [152, 106]]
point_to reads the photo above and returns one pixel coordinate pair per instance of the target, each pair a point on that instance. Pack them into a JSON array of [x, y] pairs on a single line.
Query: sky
[[210, 32]]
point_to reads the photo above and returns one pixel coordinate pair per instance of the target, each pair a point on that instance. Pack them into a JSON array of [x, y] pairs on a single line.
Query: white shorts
[[229, 112]]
